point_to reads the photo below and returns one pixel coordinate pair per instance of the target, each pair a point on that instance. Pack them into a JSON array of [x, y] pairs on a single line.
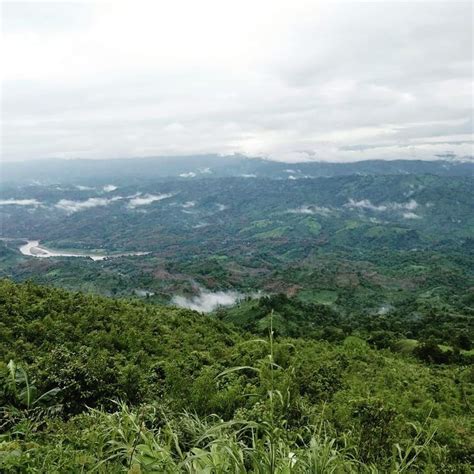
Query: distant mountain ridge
[[195, 166]]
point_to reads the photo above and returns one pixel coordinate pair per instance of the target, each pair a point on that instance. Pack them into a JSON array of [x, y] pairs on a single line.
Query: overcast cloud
[[290, 80]]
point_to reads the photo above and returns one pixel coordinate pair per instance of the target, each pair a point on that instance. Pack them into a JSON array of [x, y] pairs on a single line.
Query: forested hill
[[89, 383], [196, 166]]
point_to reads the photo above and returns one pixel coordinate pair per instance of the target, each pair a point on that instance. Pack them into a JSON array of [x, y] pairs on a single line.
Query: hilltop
[[245, 399]]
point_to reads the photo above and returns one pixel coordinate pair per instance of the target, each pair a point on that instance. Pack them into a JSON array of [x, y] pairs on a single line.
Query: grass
[[313, 225], [149, 439], [275, 233], [318, 296], [406, 346]]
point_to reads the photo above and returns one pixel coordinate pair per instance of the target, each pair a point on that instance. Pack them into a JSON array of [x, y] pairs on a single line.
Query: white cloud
[[147, 199], [409, 206], [367, 204], [191, 174], [188, 204], [250, 175], [20, 202], [109, 188], [310, 210], [364, 204], [75, 206], [301, 210], [411, 215], [289, 79], [207, 301]]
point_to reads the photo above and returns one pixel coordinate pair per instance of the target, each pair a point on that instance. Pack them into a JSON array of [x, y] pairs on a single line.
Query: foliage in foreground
[[200, 397], [150, 440], [146, 440]]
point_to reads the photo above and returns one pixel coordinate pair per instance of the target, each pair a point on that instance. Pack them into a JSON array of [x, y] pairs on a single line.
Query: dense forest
[[373, 238], [249, 318], [105, 385]]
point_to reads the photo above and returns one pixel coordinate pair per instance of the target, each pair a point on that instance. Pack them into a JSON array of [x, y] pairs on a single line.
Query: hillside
[[370, 239], [196, 394], [214, 166]]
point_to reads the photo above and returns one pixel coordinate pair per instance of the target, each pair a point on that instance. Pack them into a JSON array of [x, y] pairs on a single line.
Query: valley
[[349, 295]]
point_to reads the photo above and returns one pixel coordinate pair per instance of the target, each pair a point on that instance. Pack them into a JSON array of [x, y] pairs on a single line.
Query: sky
[[288, 80]]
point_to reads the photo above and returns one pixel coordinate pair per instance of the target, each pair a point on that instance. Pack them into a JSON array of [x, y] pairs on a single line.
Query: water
[[33, 249]]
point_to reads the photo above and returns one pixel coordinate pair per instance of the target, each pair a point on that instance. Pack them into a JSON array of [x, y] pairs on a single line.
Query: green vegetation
[[350, 351], [108, 385], [348, 235], [318, 296]]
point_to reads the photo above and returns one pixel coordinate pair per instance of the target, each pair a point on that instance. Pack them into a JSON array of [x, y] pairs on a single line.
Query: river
[[33, 249]]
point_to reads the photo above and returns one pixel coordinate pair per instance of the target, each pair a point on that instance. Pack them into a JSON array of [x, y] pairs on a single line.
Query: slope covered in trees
[[355, 242], [113, 386]]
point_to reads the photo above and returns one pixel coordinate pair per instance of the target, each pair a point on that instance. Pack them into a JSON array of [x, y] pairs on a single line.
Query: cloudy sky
[[289, 80]]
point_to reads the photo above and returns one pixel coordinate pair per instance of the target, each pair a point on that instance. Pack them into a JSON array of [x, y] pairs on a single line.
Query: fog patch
[[367, 204], [310, 210], [205, 170], [109, 188], [364, 204], [221, 207], [83, 188], [250, 175], [191, 174], [188, 204], [411, 205], [76, 206], [207, 301], [411, 215], [144, 293], [147, 199], [20, 202], [384, 309]]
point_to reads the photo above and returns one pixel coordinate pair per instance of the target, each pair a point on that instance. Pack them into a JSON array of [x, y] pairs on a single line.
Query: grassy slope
[[96, 349]]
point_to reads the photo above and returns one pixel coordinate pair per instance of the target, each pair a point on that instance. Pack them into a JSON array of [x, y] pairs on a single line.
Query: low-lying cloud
[[147, 199], [207, 301], [367, 204], [109, 188], [76, 206], [411, 215], [20, 202], [310, 210]]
